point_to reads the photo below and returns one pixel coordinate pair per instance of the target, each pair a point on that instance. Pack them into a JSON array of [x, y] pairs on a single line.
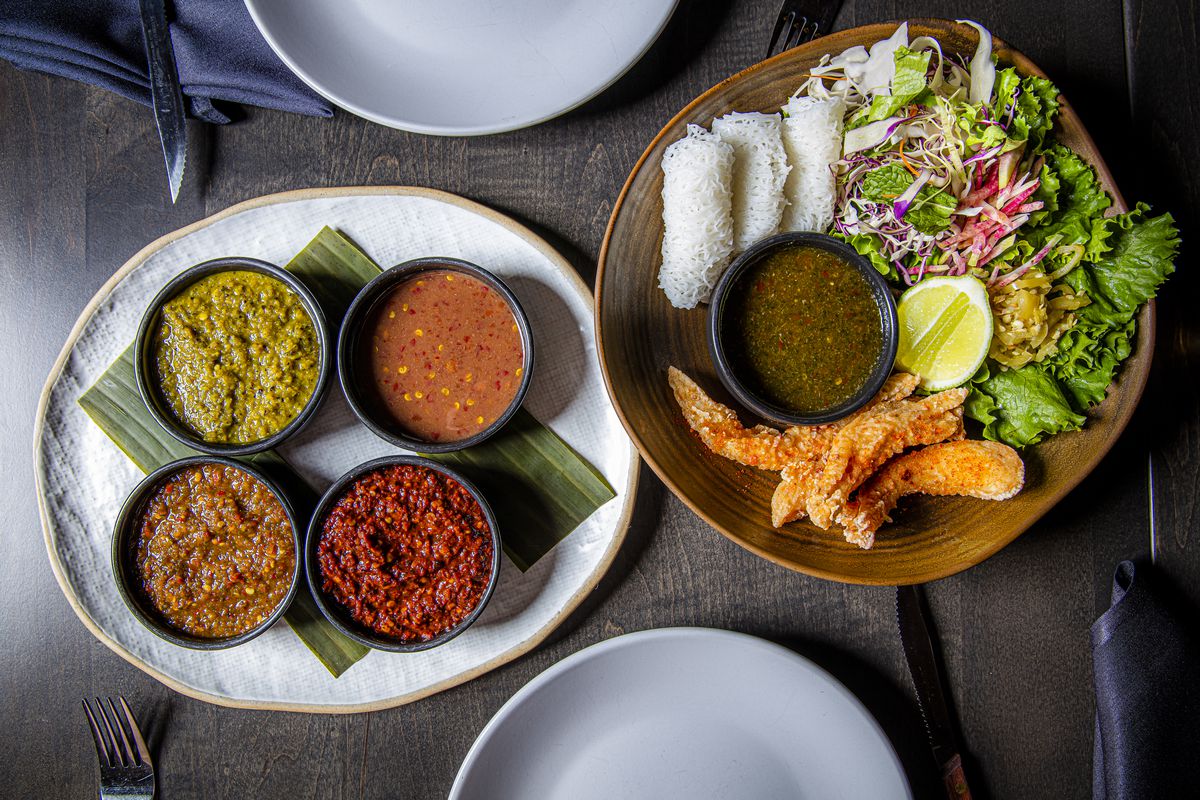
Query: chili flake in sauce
[[237, 356], [444, 355], [803, 329], [407, 552], [215, 553]]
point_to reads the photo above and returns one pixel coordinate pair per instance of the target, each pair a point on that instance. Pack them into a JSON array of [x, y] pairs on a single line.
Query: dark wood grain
[[1165, 114], [83, 189]]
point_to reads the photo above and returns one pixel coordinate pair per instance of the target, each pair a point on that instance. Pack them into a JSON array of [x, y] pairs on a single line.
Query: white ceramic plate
[[687, 713], [460, 67], [82, 477]]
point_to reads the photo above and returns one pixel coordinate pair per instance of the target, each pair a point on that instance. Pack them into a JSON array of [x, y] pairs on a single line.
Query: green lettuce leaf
[[1037, 105], [1007, 83], [1077, 199], [1087, 360], [1138, 255], [977, 125], [1047, 192], [868, 245], [908, 86], [1034, 102], [1021, 407]]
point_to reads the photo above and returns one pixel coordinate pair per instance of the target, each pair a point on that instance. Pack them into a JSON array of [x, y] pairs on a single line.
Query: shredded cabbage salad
[[951, 168]]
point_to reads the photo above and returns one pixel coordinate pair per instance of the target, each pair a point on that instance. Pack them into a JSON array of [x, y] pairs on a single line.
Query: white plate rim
[[449, 130], [651, 635], [519, 649]]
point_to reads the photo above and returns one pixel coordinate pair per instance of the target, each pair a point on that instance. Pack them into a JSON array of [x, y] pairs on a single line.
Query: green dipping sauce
[[237, 356], [802, 329]]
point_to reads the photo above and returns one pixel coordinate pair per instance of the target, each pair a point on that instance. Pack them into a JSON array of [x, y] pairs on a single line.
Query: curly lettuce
[[1034, 104], [869, 246], [1074, 200], [1021, 406], [1130, 255], [1138, 254]]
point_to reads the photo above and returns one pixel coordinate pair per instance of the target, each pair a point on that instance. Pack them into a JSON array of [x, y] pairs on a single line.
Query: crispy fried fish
[[790, 500], [866, 443], [761, 446], [823, 465], [720, 430], [987, 470]]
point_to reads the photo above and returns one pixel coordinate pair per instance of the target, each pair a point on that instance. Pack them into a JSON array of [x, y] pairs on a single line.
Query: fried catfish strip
[[865, 444], [720, 430], [790, 500], [987, 470], [798, 479]]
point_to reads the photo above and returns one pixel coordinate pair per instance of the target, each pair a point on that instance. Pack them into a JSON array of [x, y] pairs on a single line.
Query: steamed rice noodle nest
[[752, 176]]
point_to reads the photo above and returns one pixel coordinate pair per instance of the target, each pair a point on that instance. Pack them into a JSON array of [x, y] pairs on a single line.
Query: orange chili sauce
[[444, 355]]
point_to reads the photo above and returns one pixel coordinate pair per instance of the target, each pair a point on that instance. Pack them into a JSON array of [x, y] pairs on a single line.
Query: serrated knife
[[922, 663], [166, 95]]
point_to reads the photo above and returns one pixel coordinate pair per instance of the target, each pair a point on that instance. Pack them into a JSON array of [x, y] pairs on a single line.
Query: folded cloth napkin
[[220, 55], [1146, 663]]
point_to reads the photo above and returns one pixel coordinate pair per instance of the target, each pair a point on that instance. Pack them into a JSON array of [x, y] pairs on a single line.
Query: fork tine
[[127, 753], [111, 735], [142, 750], [796, 34], [827, 17], [782, 22], [102, 751], [811, 31], [801, 21]]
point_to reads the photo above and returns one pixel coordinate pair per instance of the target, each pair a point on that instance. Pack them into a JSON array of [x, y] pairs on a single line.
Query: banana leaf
[[539, 488]]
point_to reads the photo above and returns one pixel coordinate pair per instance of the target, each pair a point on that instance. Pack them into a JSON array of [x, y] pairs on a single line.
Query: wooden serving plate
[[640, 334]]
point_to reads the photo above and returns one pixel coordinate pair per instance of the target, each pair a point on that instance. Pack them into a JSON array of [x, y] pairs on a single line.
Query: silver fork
[[801, 21], [126, 771]]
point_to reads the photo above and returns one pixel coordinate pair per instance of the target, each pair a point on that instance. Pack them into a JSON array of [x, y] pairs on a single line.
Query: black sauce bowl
[[356, 386], [716, 329], [127, 526], [333, 611], [144, 354]]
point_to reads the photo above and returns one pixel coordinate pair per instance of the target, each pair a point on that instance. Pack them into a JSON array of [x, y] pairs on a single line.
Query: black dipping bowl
[[145, 369], [127, 525], [879, 290], [357, 386], [333, 610]]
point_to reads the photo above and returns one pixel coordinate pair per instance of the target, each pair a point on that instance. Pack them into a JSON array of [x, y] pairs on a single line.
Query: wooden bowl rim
[[1134, 372]]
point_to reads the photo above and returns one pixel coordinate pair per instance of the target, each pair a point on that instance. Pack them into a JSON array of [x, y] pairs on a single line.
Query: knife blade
[[166, 95], [913, 621]]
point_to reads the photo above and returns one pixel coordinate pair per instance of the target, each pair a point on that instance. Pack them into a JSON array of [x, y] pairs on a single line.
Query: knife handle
[[954, 780]]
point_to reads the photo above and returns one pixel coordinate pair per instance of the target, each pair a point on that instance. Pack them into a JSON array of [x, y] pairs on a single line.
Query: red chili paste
[[407, 552]]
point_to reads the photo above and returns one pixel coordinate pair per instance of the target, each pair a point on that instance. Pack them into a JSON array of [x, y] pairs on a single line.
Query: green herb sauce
[[802, 329], [237, 356]]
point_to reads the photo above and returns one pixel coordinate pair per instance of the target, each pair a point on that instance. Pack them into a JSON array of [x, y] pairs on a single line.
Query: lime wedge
[[945, 330]]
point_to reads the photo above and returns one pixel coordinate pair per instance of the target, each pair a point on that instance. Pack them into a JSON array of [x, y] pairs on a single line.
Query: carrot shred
[[907, 165]]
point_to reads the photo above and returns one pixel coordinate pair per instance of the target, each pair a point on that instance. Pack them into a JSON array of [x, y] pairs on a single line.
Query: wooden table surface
[[83, 189]]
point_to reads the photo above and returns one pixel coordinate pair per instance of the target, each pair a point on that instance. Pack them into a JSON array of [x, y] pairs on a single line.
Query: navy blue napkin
[[221, 56], [1146, 665]]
